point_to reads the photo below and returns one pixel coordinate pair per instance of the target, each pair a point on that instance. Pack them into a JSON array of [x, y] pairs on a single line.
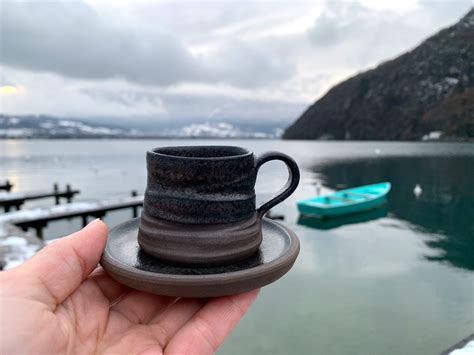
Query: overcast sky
[[221, 60]]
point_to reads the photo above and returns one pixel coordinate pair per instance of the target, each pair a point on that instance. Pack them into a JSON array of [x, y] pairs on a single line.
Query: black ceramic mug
[[199, 205]]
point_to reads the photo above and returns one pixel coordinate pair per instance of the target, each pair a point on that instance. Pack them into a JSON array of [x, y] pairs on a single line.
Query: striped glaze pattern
[[200, 244]]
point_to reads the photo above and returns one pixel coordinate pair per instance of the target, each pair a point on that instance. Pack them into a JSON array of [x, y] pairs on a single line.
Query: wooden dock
[[18, 240], [40, 217], [7, 186], [17, 199]]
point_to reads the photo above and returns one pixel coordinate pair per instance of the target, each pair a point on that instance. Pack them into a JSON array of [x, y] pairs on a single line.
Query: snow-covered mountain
[[220, 130], [42, 126], [50, 127]]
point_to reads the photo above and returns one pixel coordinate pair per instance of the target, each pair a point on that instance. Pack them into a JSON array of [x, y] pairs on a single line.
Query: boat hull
[[339, 221], [345, 202]]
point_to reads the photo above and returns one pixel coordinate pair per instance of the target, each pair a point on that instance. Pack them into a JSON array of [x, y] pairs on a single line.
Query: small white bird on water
[[318, 188], [417, 190]]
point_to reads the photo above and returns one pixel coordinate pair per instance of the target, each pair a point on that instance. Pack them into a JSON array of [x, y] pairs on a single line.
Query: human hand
[[57, 303]]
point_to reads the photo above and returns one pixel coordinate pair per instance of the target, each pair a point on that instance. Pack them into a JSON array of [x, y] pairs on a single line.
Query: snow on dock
[[17, 199], [38, 218], [17, 244]]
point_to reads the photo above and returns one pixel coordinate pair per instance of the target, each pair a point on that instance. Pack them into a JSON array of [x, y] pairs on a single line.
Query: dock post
[[39, 232], [56, 197], [39, 229], [7, 186], [100, 215], [84, 220], [68, 193], [134, 208]]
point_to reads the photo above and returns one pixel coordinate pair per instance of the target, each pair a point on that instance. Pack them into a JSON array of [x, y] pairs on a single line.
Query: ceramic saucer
[[125, 262]]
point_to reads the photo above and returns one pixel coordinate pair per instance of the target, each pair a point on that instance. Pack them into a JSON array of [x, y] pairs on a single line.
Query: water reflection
[[330, 223], [444, 210]]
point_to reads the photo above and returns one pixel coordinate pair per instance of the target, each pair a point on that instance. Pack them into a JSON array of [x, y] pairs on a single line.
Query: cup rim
[[158, 152]]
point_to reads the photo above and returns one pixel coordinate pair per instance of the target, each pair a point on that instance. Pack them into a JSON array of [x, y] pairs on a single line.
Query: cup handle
[[291, 184]]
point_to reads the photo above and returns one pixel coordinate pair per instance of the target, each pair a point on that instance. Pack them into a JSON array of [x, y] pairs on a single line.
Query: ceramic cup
[[199, 205]]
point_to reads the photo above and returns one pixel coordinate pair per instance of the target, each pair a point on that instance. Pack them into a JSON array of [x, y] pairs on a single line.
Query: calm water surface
[[398, 280]]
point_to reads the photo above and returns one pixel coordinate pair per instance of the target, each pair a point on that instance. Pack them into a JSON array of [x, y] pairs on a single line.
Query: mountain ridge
[[425, 90], [52, 127]]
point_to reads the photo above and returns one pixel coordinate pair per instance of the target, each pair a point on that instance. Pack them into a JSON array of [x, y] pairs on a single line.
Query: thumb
[[58, 270]]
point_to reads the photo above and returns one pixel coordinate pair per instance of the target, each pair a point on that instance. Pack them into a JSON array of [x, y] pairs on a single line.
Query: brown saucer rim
[[209, 285]]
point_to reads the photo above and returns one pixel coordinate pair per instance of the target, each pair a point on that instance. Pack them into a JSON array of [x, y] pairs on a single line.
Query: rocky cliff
[[427, 92]]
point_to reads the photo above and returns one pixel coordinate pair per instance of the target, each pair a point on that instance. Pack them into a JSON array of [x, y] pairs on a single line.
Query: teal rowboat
[[347, 201]]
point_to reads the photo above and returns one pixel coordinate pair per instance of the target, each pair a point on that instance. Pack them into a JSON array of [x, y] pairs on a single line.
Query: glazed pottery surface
[[208, 184], [126, 262], [197, 244], [199, 205]]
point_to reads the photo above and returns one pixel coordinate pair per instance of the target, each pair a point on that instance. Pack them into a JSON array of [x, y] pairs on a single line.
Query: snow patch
[[45, 212], [16, 251], [217, 130], [432, 136], [11, 195], [16, 132], [468, 349], [47, 125], [451, 80]]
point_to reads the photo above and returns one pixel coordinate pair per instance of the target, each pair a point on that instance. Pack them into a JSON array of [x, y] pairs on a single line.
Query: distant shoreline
[[137, 138], [446, 140]]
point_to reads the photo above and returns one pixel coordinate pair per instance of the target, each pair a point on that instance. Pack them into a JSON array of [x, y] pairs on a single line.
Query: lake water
[[398, 280]]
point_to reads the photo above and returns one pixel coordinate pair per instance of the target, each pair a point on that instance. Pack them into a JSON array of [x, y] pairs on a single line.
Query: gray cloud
[[203, 17], [185, 107], [440, 11], [352, 34], [350, 21], [262, 63], [185, 61], [73, 40], [339, 23]]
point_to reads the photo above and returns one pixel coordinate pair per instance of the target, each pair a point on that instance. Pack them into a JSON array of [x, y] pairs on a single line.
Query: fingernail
[[91, 223]]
